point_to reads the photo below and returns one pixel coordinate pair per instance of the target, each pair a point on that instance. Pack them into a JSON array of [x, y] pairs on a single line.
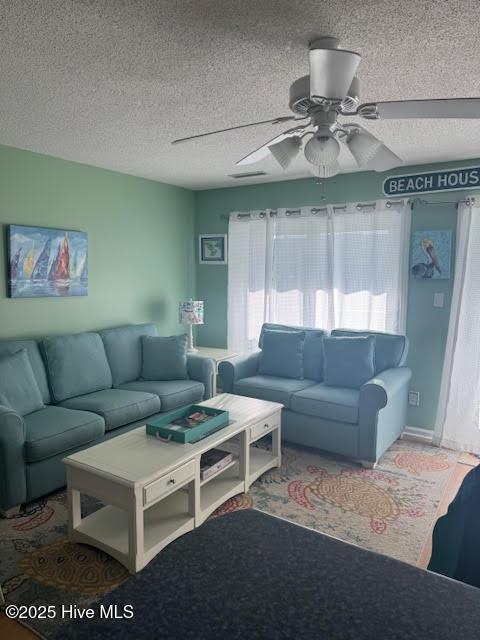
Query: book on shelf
[[214, 461]]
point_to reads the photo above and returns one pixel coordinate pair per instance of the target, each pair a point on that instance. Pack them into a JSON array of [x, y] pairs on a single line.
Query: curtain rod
[[428, 203], [412, 201], [336, 207]]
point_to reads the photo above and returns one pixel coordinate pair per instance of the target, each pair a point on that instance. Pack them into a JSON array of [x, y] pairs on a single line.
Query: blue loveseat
[[360, 423], [91, 391]]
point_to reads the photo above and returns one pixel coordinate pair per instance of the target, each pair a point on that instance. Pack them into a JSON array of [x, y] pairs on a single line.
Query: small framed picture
[[212, 248], [431, 254]]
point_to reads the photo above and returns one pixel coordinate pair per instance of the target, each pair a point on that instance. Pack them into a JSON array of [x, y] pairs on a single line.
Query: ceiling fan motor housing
[[301, 102]]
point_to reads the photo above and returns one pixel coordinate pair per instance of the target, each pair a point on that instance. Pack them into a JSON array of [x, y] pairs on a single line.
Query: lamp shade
[[286, 150], [323, 148], [191, 312], [370, 152]]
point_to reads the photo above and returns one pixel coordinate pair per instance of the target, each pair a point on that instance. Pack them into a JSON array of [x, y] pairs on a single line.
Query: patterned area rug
[[390, 509]]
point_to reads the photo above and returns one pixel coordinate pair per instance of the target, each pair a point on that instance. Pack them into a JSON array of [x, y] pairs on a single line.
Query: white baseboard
[[417, 433]]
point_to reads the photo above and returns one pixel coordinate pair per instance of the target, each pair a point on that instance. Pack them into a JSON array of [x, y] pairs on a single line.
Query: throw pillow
[[164, 358], [18, 388], [348, 362], [282, 354]]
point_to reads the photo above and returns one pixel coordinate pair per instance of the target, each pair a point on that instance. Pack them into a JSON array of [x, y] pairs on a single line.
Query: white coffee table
[[152, 489]]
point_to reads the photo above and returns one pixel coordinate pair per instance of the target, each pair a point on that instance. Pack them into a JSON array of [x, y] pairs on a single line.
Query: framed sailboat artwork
[[46, 262]]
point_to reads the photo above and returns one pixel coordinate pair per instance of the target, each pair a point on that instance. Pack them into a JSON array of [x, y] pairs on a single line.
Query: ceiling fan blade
[[263, 151], [370, 152], [384, 160], [241, 126], [441, 108]]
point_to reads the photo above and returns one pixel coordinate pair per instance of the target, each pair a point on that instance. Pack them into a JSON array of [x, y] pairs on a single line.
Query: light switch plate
[[414, 398], [438, 299]]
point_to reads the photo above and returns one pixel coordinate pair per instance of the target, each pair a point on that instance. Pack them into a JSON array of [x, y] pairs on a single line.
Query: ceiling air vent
[[250, 174]]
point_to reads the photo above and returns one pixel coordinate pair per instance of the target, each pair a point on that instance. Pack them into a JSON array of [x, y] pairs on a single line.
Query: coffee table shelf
[[223, 486], [163, 522], [153, 489], [260, 462], [217, 473]]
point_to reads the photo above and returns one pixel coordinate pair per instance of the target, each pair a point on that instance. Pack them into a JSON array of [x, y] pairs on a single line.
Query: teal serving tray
[[162, 427]]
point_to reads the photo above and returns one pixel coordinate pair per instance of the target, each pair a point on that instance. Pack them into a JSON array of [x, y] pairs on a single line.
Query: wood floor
[[14, 631]]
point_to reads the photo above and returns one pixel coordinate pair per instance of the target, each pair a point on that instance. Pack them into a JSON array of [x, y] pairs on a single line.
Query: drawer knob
[[171, 481]]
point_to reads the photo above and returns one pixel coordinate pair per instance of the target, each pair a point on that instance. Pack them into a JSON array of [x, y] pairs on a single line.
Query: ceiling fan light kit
[[286, 150], [331, 91], [369, 152], [323, 148], [325, 170], [362, 145]]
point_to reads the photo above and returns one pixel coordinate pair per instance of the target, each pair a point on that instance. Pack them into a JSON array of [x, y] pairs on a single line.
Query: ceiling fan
[[331, 90]]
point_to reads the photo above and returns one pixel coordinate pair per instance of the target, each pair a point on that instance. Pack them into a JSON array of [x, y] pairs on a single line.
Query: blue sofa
[[92, 391], [359, 423]]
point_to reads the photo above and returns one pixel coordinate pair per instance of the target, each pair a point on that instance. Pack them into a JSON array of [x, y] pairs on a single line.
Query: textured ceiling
[[112, 82]]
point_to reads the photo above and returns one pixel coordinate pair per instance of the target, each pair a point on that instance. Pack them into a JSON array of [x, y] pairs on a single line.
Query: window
[[342, 267]]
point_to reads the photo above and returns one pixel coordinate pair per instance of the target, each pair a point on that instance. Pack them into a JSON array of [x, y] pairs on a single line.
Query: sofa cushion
[[312, 348], [36, 360], [330, 403], [172, 393], [282, 354], [116, 406], [275, 389], [54, 430], [18, 388], [123, 346], [348, 361], [390, 349], [76, 364], [164, 358]]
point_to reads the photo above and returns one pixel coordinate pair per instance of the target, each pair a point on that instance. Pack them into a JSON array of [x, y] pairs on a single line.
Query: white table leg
[[74, 509], [244, 459], [135, 534], [194, 497], [277, 445]]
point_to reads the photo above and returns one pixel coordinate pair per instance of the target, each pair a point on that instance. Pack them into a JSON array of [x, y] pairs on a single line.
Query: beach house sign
[[432, 181]]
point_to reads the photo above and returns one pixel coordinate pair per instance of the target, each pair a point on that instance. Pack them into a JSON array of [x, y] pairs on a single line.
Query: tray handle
[[159, 437]]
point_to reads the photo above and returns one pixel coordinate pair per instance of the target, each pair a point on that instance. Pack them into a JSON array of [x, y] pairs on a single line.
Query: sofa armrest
[[382, 411], [13, 482], [203, 369], [237, 368]]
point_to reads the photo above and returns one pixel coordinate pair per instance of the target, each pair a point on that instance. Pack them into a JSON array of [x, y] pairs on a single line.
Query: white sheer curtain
[[325, 267], [458, 418]]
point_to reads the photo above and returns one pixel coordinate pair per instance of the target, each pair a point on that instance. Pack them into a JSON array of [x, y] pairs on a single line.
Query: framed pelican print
[[44, 262], [431, 254]]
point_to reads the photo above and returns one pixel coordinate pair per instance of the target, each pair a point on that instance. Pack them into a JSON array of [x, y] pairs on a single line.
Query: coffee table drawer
[[169, 482], [264, 426]]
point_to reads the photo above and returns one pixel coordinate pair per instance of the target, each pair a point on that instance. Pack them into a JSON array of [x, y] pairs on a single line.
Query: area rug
[[249, 575], [390, 509]]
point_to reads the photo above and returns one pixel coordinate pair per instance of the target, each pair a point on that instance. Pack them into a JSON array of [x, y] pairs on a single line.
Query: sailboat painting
[[47, 262]]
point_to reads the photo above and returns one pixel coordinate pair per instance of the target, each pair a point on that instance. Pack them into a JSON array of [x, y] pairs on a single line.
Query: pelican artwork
[[427, 269]]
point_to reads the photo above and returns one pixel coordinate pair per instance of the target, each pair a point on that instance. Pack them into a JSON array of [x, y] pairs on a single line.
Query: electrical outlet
[[414, 398]]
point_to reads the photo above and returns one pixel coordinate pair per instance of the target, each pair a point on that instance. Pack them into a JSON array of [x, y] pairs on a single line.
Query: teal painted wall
[[141, 256], [427, 326]]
